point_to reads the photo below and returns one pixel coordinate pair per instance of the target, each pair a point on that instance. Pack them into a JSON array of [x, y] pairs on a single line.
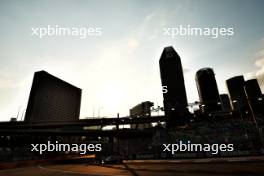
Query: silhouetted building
[[252, 89], [141, 110], [225, 103], [237, 94], [207, 90], [175, 100], [254, 95], [52, 99]]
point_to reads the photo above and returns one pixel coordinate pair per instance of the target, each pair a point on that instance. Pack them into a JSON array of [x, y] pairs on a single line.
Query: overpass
[[77, 127]]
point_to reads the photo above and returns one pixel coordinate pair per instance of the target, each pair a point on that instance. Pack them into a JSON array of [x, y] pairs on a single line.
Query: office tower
[[174, 96], [207, 90], [237, 94], [225, 102], [252, 88], [52, 100], [254, 96]]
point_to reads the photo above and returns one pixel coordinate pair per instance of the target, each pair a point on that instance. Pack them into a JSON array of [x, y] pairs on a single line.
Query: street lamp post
[[99, 109]]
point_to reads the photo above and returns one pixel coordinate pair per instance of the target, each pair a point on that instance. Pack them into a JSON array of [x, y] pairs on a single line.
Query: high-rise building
[[252, 88], [237, 94], [254, 96], [208, 90], [174, 96], [52, 100], [225, 103]]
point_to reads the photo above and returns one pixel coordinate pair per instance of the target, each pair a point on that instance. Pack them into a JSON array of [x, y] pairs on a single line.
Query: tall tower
[[252, 89], [237, 94], [254, 96], [225, 102], [207, 90], [174, 96], [52, 100]]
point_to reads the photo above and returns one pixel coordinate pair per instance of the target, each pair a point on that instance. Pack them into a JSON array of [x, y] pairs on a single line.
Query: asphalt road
[[144, 169]]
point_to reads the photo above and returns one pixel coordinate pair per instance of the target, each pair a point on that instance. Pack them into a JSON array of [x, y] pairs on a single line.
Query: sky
[[119, 69]]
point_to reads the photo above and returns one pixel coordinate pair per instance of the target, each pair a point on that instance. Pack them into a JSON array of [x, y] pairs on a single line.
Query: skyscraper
[[52, 100], [225, 102], [254, 96], [174, 96], [252, 88], [237, 94], [208, 90]]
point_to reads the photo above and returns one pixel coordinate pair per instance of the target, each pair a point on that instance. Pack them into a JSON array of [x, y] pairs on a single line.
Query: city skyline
[[120, 68]]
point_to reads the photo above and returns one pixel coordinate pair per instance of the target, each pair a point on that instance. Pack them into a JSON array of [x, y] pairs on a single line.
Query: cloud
[[259, 63], [150, 27], [260, 53], [250, 75]]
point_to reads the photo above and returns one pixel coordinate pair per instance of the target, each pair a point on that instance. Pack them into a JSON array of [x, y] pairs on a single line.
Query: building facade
[[254, 96], [208, 90], [225, 103], [235, 86], [174, 96], [52, 100]]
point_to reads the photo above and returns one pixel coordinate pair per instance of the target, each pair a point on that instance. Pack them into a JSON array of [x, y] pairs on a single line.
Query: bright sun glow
[[111, 96]]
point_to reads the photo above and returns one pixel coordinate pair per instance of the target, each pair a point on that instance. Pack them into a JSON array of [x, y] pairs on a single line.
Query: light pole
[[99, 109], [93, 112]]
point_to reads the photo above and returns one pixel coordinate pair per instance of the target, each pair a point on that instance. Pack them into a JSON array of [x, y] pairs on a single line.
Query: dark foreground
[[245, 168]]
